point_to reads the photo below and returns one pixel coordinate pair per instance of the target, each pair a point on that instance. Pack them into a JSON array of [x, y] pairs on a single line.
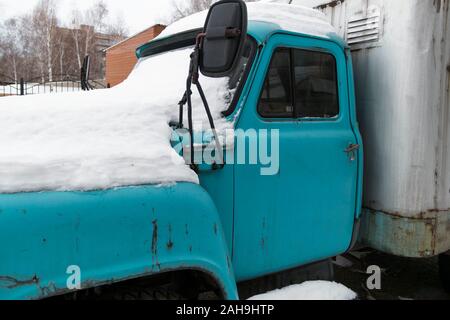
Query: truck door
[[304, 210]]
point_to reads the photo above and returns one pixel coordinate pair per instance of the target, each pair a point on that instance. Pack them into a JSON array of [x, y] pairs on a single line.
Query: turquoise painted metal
[[112, 236], [306, 212], [237, 225]]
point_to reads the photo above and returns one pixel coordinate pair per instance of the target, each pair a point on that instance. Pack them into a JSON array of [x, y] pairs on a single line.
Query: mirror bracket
[[224, 35], [193, 78]]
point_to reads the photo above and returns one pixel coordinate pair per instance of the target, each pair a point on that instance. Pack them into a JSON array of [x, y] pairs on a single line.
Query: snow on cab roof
[[288, 17]]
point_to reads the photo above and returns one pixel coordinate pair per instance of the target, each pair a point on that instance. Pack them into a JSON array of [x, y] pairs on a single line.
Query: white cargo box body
[[401, 57]]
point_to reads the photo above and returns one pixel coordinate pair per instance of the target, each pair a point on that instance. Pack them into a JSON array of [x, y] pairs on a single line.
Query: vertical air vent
[[364, 30]]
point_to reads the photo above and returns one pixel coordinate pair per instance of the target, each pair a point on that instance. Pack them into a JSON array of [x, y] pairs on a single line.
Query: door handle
[[351, 149]]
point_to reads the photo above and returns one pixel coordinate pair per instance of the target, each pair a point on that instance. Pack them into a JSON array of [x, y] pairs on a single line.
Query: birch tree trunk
[[61, 59], [49, 54], [44, 23], [75, 31], [77, 47], [14, 63]]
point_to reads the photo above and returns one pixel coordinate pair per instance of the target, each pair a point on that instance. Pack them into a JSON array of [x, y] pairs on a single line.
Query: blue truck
[[184, 240]]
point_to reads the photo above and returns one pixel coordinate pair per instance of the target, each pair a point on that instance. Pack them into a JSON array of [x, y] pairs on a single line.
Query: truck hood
[[106, 138]]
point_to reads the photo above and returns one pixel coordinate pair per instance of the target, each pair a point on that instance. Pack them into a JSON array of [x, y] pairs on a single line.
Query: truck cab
[[305, 210], [288, 194]]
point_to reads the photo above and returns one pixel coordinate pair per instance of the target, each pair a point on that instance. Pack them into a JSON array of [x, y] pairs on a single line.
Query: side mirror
[[224, 37]]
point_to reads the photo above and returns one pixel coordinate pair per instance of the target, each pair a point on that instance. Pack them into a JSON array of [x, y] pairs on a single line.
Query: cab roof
[[279, 16], [265, 18]]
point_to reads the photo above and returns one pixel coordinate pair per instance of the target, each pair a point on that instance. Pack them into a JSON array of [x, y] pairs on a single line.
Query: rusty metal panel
[[414, 238]]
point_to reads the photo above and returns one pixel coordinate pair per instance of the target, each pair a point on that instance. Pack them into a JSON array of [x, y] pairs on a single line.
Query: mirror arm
[[181, 104], [195, 58], [193, 78], [199, 38]]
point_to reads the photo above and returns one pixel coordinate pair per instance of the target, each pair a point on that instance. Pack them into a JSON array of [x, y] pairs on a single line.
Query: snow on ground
[[105, 138], [288, 17], [312, 290]]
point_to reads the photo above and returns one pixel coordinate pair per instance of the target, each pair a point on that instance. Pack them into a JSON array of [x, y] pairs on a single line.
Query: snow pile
[[288, 17], [105, 138], [312, 290]]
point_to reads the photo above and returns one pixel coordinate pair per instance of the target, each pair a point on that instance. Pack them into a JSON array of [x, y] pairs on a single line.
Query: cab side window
[[315, 84], [276, 98], [300, 84]]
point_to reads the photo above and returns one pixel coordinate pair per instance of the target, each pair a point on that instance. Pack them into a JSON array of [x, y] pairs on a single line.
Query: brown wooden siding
[[121, 59]]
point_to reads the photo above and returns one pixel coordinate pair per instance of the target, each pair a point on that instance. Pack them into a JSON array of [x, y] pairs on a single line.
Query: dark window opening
[[276, 98], [239, 75], [300, 84]]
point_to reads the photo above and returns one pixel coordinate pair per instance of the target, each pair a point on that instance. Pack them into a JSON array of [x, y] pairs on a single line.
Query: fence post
[[22, 87]]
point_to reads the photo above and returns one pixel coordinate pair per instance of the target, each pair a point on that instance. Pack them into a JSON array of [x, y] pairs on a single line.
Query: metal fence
[[61, 83]]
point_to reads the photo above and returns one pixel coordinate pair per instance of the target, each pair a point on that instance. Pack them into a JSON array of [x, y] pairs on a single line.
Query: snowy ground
[[312, 290]]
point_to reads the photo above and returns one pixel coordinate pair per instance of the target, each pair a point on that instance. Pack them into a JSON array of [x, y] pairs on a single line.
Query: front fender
[[111, 236]]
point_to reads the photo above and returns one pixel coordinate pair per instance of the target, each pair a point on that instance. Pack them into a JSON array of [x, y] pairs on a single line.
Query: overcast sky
[[138, 14]]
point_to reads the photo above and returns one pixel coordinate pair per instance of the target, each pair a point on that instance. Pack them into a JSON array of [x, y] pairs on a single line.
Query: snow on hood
[[289, 17], [312, 290], [105, 138]]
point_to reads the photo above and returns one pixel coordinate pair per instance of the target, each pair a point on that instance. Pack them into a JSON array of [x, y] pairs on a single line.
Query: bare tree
[[185, 8], [27, 59], [118, 28], [61, 51], [44, 23], [94, 22], [35, 44], [84, 25], [10, 46], [75, 30]]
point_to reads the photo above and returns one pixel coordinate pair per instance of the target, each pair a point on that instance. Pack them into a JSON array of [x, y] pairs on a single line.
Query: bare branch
[[183, 8]]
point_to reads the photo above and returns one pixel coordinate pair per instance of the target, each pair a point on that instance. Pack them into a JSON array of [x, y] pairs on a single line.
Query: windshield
[[168, 71]]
